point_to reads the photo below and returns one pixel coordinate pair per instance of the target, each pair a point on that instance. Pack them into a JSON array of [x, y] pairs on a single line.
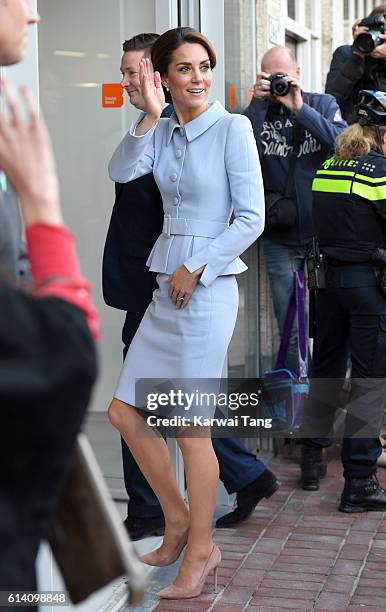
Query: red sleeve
[[55, 269]]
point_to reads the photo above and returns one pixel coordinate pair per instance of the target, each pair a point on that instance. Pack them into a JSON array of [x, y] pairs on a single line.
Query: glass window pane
[[239, 78], [239, 53], [292, 43], [80, 47], [309, 14], [291, 12], [346, 13]]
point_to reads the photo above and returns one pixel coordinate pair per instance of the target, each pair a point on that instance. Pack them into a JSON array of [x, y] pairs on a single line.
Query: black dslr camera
[[279, 86], [365, 43]]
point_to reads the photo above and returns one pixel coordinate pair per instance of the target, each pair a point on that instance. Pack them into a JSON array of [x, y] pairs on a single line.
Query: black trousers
[[350, 320], [238, 466]]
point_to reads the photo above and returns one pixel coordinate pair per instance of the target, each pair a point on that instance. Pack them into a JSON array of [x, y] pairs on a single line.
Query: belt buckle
[[167, 225]]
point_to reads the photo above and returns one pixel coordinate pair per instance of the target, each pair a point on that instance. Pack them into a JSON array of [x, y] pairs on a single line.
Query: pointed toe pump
[[212, 564]]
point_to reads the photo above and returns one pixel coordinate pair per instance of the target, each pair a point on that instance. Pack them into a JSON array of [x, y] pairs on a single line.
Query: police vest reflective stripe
[[365, 187]]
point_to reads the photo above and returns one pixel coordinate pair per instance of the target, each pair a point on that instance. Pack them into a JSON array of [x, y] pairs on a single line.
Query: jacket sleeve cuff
[[208, 276], [197, 261], [354, 67], [304, 112], [134, 125], [308, 117]]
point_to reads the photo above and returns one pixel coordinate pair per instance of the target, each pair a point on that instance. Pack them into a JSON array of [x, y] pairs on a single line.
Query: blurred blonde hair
[[355, 141]]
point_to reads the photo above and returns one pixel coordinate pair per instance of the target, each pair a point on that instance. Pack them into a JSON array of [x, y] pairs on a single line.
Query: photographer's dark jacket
[[349, 73], [349, 207], [273, 129]]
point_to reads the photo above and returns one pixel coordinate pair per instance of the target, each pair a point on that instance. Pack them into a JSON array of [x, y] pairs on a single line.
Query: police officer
[[349, 207]]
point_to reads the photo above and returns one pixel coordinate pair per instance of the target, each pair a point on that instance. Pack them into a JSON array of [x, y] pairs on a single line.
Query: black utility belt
[[351, 274], [331, 261]]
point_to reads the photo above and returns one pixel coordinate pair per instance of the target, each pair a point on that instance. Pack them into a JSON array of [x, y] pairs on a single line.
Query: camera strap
[[297, 140], [298, 132]]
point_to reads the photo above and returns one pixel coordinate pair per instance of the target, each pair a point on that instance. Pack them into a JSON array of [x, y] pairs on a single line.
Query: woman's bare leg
[[202, 473], [152, 456]]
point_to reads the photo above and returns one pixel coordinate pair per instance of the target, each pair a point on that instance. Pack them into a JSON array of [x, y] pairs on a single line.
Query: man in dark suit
[[128, 285]]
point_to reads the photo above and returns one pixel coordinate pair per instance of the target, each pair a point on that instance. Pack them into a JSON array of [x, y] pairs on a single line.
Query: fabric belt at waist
[[192, 227]]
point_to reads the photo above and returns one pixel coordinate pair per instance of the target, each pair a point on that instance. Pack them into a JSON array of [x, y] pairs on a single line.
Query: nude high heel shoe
[[153, 558], [174, 592]]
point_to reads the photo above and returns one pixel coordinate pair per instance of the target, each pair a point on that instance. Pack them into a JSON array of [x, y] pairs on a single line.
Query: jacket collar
[[198, 126]]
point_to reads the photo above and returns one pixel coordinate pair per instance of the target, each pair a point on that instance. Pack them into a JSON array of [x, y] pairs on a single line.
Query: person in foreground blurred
[[349, 209], [187, 328], [47, 353]]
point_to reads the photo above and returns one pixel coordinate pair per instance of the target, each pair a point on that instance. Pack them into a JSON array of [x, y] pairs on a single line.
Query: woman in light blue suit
[[206, 165]]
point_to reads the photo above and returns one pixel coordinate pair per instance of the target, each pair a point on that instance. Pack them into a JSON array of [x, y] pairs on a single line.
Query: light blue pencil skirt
[[177, 345]]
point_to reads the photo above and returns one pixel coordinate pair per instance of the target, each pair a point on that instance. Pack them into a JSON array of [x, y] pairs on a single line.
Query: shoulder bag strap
[[295, 306], [301, 316]]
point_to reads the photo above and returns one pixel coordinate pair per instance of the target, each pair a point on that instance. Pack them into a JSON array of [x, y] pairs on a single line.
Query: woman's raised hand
[[152, 91]]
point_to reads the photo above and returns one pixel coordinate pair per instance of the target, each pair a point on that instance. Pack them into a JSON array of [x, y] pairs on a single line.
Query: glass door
[[80, 47]]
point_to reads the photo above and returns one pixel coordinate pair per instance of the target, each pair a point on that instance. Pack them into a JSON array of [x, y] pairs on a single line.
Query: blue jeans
[[281, 261]]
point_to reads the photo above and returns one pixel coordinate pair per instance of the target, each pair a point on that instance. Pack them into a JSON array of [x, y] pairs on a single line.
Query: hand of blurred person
[[27, 159], [262, 87], [380, 51], [152, 94], [294, 99], [357, 29]]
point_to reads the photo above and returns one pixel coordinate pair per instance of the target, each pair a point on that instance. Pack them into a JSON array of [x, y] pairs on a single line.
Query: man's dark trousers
[[238, 467]]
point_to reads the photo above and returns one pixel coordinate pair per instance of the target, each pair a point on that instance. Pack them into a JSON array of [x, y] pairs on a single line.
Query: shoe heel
[[273, 489], [215, 579]]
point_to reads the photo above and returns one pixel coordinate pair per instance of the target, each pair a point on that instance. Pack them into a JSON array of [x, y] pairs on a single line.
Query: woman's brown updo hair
[[167, 43]]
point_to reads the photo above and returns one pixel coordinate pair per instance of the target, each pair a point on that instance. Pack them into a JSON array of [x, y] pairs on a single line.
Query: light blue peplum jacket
[[206, 171]]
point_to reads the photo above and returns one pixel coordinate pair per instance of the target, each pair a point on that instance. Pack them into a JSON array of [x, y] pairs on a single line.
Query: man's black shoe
[[248, 498], [363, 494], [313, 467], [139, 528]]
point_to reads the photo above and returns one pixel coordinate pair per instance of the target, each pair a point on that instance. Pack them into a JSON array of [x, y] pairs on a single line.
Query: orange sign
[[232, 97], [112, 95]]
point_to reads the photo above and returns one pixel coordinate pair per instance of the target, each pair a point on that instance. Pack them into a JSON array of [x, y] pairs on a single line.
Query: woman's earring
[[167, 88]]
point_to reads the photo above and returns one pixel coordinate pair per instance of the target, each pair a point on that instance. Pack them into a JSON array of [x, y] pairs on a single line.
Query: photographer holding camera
[[294, 132], [361, 65]]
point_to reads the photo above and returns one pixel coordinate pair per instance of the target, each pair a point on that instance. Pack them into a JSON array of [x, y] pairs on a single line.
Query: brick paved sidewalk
[[297, 551]]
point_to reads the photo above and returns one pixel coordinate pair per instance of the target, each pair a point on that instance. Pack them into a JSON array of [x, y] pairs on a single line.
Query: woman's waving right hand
[[152, 91]]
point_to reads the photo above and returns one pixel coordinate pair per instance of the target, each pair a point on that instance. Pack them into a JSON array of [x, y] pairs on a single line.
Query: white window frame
[[190, 13], [309, 41], [166, 15]]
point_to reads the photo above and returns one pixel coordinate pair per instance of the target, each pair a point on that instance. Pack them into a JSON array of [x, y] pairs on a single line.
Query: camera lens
[[279, 86], [366, 42]]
